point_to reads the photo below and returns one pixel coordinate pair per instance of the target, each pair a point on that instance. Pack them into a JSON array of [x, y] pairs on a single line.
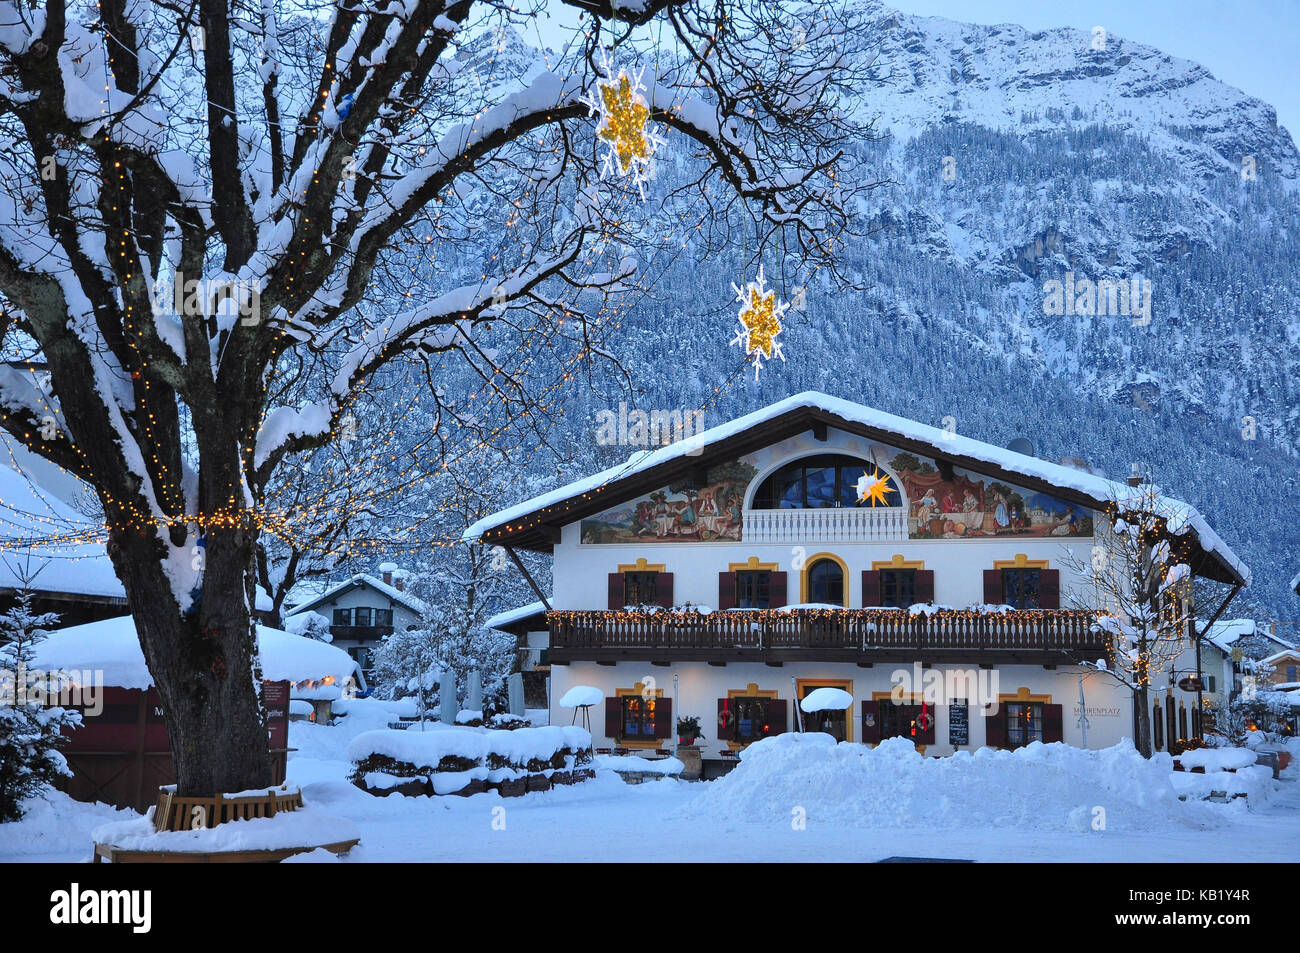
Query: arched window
[[825, 480], [826, 582]]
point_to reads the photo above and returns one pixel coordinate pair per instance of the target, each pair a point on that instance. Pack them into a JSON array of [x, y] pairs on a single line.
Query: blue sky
[[1253, 45]]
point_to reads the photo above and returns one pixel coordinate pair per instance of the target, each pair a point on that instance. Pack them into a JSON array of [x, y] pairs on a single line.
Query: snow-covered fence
[[461, 760]]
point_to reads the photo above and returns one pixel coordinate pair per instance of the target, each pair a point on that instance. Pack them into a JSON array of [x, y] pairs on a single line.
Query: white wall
[[700, 685], [580, 570]]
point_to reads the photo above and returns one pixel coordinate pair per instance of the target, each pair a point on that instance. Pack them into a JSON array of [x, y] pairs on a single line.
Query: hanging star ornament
[[760, 321], [873, 488], [624, 124]]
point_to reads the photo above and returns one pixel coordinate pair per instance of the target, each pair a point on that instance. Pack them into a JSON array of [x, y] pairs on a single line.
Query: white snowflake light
[[760, 321], [624, 113]]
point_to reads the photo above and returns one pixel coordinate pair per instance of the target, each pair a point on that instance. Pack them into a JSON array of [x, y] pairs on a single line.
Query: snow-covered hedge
[[452, 757]]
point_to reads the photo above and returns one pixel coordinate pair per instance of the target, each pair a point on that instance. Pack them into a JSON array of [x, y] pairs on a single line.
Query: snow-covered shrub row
[[471, 754], [1040, 787]]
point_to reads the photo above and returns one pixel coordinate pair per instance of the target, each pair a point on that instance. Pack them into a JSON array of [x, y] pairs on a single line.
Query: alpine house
[[820, 543]]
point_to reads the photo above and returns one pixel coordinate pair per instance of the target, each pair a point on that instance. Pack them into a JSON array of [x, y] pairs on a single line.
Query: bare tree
[[261, 170], [1141, 582]]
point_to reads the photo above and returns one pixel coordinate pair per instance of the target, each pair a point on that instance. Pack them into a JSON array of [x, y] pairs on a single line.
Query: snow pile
[[1254, 782], [1217, 759], [56, 824], [1041, 787], [632, 764]]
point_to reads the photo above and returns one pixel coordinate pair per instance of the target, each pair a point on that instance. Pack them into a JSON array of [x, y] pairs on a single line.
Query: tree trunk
[[204, 664], [1143, 739]]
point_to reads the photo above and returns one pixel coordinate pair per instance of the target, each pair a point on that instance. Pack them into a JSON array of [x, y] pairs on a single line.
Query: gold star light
[[624, 124], [760, 321], [874, 487]]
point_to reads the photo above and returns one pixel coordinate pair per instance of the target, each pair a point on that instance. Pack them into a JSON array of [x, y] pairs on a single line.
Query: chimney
[[400, 583], [388, 578], [1135, 478]]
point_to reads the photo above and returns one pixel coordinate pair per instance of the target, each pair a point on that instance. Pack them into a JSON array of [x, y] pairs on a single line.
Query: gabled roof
[[535, 524], [392, 593]]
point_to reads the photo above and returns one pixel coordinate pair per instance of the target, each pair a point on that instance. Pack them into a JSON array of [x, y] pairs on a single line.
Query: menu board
[[958, 725]]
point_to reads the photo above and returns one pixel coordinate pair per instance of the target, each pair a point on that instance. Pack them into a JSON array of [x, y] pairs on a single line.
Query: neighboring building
[[730, 577], [1286, 668], [364, 609], [121, 754]]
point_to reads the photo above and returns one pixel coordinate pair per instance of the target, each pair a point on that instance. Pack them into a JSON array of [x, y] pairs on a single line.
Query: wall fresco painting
[[679, 512], [971, 506]]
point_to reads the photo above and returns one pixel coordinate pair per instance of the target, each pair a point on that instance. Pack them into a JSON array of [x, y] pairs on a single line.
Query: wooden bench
[[118, 855]]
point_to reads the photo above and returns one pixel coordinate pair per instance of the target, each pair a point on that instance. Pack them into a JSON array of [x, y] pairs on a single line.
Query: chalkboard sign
[[958, 725]]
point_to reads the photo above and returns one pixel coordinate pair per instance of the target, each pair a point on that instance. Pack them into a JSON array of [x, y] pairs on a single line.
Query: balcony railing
[[360, 632], [843, 524], [596, 634]]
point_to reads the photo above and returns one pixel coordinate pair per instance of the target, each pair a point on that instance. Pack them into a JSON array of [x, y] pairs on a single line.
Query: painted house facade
[[820, 543]]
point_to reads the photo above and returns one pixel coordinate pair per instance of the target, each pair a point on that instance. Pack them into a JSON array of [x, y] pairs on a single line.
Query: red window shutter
[[871, 722], [726, 590], [1049, 588], [613, 717], [993, 587], [777, 716], [870, 587], [925, 585], [925, 735], [776, 590], [1053, 724], [664, 589], [663, 717], [995, 725], [726, 718], [617, 591]]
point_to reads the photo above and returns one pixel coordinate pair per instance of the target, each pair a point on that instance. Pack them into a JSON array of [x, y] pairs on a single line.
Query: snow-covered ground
[[857, 805]]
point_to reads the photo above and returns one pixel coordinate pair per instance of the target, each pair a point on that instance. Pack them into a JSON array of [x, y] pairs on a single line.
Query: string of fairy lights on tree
[[279, 524]]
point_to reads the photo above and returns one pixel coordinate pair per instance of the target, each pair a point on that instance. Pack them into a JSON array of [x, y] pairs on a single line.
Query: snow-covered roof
[[42, 534], [1181, 517], [1278, 656], [112, 646], [511, 616], [392, 593], [1224, 633]]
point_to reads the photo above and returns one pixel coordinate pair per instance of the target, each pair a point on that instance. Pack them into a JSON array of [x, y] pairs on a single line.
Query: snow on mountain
[[1005, 77]]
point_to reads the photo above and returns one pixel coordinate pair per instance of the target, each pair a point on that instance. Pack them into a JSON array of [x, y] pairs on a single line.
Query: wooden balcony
[[842, 524], [864, 636]]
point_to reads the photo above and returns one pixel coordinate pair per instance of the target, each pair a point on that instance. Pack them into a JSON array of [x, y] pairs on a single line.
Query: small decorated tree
[[30, 729]]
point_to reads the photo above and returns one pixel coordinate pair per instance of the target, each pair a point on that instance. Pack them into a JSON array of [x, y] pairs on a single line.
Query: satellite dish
[[1022, 445]]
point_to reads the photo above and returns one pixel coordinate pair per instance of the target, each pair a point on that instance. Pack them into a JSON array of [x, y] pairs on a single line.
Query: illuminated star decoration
[[873, 488], [760, 321], [624, 124]]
